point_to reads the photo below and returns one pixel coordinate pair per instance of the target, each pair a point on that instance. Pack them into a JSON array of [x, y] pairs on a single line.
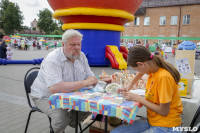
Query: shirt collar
[[153, 74], [63, 57]]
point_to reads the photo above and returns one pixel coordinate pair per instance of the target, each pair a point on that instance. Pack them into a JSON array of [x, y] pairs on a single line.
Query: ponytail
[[141, 54], [160, 62]]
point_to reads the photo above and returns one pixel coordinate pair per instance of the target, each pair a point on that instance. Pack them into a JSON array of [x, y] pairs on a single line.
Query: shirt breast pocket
[[80, 75]]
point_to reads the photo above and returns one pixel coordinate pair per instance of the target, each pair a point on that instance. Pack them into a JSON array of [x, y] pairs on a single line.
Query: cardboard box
[[184, 63], [96, 130], [98, 127], [185, 87]]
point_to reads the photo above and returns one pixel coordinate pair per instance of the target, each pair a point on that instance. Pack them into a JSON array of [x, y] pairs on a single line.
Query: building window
[[174, 20], [135, 40], [145, 41], [147, 21], [186, 19], [161, 41], [162, 20], [137, 21], [171, 41], [126, 39]]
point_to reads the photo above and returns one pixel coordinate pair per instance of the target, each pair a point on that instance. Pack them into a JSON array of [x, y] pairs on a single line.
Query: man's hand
[[107, 80], [91, 81]]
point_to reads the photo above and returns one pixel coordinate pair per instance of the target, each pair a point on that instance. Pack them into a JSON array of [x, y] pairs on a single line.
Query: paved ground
[[13, 105]]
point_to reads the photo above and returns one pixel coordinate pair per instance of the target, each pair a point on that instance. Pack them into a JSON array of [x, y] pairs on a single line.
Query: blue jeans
[[142, 126]]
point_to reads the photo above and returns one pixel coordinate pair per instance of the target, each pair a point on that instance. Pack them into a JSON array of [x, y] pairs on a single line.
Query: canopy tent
[[126, 37], [42, 40], [160, 38], [7, 37], [16, 36], [34, 35], [187, 45]]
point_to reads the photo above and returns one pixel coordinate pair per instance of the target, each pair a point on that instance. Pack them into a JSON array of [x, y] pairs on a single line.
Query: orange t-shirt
[[162, 88]]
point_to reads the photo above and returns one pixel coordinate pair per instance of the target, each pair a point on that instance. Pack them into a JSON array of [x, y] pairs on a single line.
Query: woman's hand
[[125, 89], [122, 90], [131, 96]]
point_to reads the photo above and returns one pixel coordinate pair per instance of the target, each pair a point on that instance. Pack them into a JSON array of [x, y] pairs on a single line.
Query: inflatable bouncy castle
[[100, 22]]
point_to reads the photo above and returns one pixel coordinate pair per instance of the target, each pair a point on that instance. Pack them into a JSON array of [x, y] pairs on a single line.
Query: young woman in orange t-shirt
[[162, 97]]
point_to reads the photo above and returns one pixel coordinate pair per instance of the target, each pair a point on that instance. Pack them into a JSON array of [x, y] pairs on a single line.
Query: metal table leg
[[76, 128], [106, 123]]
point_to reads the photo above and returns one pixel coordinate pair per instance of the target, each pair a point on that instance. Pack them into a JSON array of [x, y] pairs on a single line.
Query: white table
[[168, 49]]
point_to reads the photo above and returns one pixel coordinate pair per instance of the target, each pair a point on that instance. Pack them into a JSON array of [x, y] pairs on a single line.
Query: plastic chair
[[196, 121], [30, 76]]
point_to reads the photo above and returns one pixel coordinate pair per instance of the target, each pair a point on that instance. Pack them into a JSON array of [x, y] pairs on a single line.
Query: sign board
[[185, 62]]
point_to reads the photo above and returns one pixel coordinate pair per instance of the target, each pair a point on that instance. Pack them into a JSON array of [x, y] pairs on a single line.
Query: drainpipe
[[179, 27]]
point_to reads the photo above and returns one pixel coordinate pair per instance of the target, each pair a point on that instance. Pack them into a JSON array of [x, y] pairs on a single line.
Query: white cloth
[[56, 68]]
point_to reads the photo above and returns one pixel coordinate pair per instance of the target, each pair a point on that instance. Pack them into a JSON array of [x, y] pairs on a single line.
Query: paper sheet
[[138, 92]]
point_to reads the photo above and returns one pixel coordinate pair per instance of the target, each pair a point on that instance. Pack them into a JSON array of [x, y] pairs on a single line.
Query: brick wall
[[168, 30]]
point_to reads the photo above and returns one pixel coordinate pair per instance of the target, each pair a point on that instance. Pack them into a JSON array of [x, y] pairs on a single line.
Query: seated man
[[64, 70]]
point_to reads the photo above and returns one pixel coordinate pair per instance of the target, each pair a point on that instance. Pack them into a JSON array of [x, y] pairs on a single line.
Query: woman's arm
[[128, 87], [137, 77], [162, 109]]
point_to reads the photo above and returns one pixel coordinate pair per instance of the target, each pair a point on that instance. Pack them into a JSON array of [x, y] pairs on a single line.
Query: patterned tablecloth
[[100, 105]]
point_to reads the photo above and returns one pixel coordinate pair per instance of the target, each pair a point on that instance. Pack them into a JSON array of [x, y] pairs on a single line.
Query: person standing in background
[[2, 47], [9, 53]]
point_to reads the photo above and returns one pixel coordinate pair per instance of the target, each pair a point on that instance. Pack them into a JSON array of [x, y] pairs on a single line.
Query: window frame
[[145, 41], [187, 21], [172, 22], [137, 21], [162, 20], [147, 24]]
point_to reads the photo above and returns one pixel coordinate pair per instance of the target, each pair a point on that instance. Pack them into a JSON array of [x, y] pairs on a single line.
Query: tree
[[34, 28], [46, 22], [56, 32], [13, 19], [10, 17], [25, 28], [59, 30], [3, 6]]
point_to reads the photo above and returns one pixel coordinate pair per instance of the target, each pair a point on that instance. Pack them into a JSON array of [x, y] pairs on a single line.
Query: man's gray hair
[[70, 33]]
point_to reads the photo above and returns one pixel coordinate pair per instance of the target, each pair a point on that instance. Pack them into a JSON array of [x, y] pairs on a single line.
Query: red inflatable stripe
[[92, 19], [130, 6]]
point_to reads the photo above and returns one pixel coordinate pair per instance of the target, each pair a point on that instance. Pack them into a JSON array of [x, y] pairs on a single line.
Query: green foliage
[[3, 6], [46, 22], [57, 32], [34, 28], [11, 19], [25, 28]]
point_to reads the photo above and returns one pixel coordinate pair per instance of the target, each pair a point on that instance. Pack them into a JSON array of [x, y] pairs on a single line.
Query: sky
[[30, 9]]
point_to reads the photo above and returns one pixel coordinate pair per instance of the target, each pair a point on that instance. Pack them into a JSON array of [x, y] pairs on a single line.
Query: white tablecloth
[[168, 49]]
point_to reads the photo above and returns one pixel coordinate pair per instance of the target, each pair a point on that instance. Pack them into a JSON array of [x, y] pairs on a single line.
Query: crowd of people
[[159, 49], [24, 43]]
